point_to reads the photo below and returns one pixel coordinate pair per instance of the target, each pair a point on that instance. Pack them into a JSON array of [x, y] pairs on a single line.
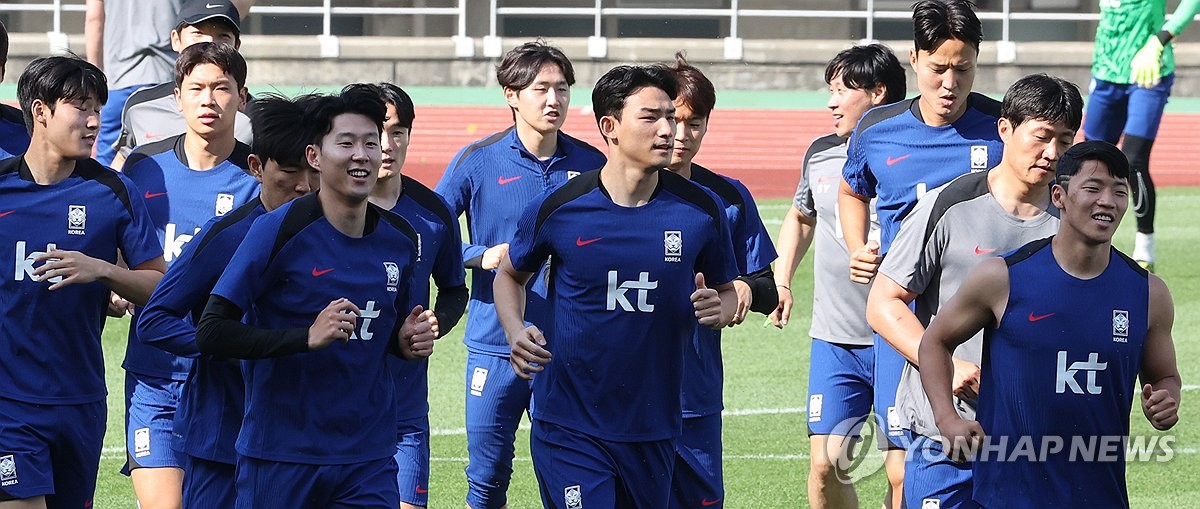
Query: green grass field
[[766, 450]]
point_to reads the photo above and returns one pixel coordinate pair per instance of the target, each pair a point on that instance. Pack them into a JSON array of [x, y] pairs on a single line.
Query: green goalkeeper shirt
[[1126, 25]]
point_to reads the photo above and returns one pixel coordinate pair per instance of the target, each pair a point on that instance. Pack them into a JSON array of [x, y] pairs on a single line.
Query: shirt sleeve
[[456, 188], [1182, 17], [803, 199], [529, 248], [857, 172], [248, 272], [716, 259], [448, 267], [138, 238], [169, 319], [916, 252], [751, 235]]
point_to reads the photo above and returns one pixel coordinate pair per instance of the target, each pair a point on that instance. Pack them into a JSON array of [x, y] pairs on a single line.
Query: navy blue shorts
[[575, 470], [150, 404], [273, 484], [932, 480], [698, 480], [51, 451], [840, 388], [208, 484], [496, 399], [412, 461], [1114, 109], [889, 365]]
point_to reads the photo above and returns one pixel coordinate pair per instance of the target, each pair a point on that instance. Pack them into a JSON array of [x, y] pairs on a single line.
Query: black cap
[[196, 11], [1092, 150]]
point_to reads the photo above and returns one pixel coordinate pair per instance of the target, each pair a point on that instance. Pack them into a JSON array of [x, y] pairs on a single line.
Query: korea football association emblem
[[224, 204], [979, 157], [76, 219], [1120, 324], [672, 245], [8, 470], [393, 276]]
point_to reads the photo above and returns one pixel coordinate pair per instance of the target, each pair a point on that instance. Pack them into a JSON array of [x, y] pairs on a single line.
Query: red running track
[[762, 148]]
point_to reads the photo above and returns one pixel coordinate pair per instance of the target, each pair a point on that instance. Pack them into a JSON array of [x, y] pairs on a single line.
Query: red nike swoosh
[[1034, 318], [319, 273], [706, 502], [149, 194], [580, 242], [981, 251], [503, 180], [2, 214], [421, 490], [894, 160]]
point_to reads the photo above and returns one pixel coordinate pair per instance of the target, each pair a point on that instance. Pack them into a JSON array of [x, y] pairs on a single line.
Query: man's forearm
[[937, 369], [135, 285]]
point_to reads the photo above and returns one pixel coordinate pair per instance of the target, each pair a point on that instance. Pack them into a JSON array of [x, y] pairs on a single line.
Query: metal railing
[[598, 12]]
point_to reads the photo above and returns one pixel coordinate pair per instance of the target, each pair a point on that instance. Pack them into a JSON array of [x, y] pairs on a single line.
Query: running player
[[620, 312], [698, 477], [187, 179], [901, 151], [210, 407], [152, 114], [1133, 70], [320, 418], [14, 138], [439, 254], [1071, 323], [841, 367], [65, 219], [492, 180], [953, 229]]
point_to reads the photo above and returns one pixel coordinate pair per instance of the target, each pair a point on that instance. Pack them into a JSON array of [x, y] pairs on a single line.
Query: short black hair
[[3, 43], [1044, 97], [279, 132], [520, 65], [936, 21], [867, 66], [221, 55], [399, 99], [357, 98], [622, 81], [65, 77], [1093, 150], [695, 89]]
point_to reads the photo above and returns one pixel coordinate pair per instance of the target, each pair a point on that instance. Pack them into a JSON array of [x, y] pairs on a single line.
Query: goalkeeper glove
[[1146, 69]]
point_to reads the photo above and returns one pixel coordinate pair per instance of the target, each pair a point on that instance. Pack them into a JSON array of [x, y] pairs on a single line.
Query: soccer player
[[901, 151], [492, 180], [1133, 69], [623, 308], [210, 407], [152, 114], [953, 229], [439, 254], [698, 476], [328, 268], [840, 373], [64, 221], [1070, 323], [14, 138], [187, 179], [328, 279]]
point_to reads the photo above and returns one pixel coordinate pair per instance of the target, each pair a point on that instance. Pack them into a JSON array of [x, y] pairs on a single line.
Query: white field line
[[119, 452]]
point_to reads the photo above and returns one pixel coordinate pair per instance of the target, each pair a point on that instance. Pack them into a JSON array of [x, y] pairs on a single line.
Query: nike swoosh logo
[[2, 214], [1035, 318], [150, 195], [319, 273], [211, 6], [706, 502], [580, 242], [503, 180], [421, 490], [981, 251], [894, 160]]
